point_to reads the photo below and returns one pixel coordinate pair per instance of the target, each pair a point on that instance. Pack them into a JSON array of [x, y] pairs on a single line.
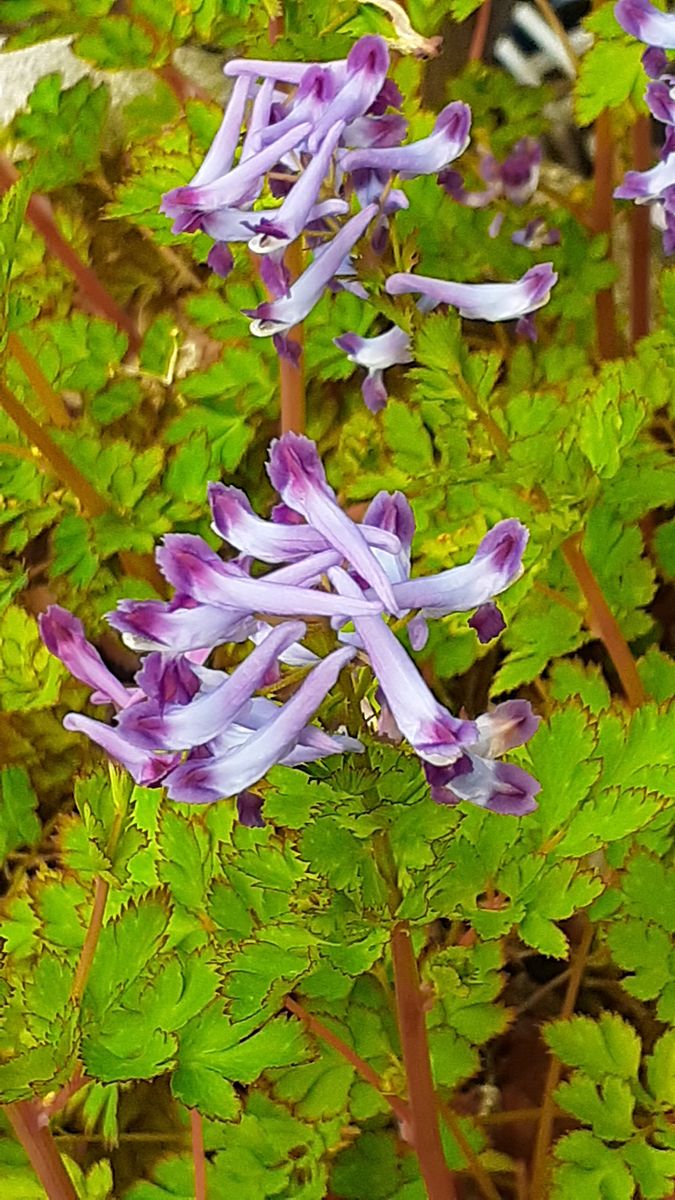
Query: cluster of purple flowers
[[206, 734], [656, 186], [317, 142]]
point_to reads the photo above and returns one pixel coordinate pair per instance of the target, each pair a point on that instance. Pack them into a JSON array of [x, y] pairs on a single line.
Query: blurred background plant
[[129, 380]]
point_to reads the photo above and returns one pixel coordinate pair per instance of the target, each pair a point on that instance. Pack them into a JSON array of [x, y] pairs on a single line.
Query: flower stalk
[[31, 1128], [422, 1100], [640, 239]]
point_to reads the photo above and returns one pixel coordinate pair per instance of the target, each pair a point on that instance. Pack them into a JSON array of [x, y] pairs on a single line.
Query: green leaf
[[653, 1169], [661, 1069], [116, 43], [19, 825], [606, 1107], [609, 1046], [590, 1170], [609, 74], [30, 678]]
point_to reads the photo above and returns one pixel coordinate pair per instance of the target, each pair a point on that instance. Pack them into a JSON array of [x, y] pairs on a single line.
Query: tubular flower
[[481, 301], [376, 354], [209, 734]]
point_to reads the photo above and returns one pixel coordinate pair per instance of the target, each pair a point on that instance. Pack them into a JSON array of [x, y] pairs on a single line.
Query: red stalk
[[480, 31], [31, 1127], [40, 214], [198, 1157], [640, 239], [422, 1102]]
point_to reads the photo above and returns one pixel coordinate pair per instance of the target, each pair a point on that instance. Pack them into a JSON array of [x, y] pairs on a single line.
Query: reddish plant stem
[[39, 212], [139, 566], [66, 471], [49, 399], [426, 1134], [198, 1156], [540, 1160], [31, 1128], [480, 30], [603, 622], [292, 377], [59, 1101], [640, 237], [101, 890], [476, 1169], [603, 221], [362, 1068], [182, 87]]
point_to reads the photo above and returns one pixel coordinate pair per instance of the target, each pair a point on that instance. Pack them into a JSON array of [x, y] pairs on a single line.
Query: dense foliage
[[169, 972]]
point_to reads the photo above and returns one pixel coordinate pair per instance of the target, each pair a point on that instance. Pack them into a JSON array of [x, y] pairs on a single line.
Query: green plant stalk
[[31, 1128], [540, 1159], [424, 1116], [40, 215], [101, 891]]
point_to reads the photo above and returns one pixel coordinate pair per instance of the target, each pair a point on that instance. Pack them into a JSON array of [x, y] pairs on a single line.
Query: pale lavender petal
[[488, 622], [661, 101], [156, 625], [188, 563], [168, 680], [283, 72], [180, 726], [249, 810], [374, 392], [230, 189], [449, 139], [377, 353], [496, 564], [63, 635], [499, 787], [296, 471], [235, 521], [366, 70], [432, 731], [508, 725], [295, 656], [279, 315], [646, 22], [645, 186], [418, 632], [259, 121], [315, 92], [288, 221], [201, 781], [220, 155], [369, 132], [220, 259], [481, 301], [145, 768]]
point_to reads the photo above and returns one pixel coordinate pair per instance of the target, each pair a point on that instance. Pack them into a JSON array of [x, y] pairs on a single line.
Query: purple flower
[[194, 569], [370, 132], [481, 301], [240, 185], [431, 730], [391, 512], [518, 175], [220, 155], [295, 470], [661, 101], [500, 787], [648, 186], [654, 62], [249, 810], [496, 564], [488, 622], [63, 636], [534, 235], [220, 259], [366, 69], [182, 725], [235, 521], [180, 625], [646, 22], [144, 767], [376, 354], [201, 780], [449, 139], [289, 221], [278, 316]]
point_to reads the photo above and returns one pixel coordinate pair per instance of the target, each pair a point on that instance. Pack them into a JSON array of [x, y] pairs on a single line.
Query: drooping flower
[[449, 138], [376, 354], [481, 301], [646, 22]]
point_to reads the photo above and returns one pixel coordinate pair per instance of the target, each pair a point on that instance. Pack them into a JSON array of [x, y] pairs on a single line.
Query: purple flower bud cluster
[[318, 150], [206, 734], [656, 186]]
